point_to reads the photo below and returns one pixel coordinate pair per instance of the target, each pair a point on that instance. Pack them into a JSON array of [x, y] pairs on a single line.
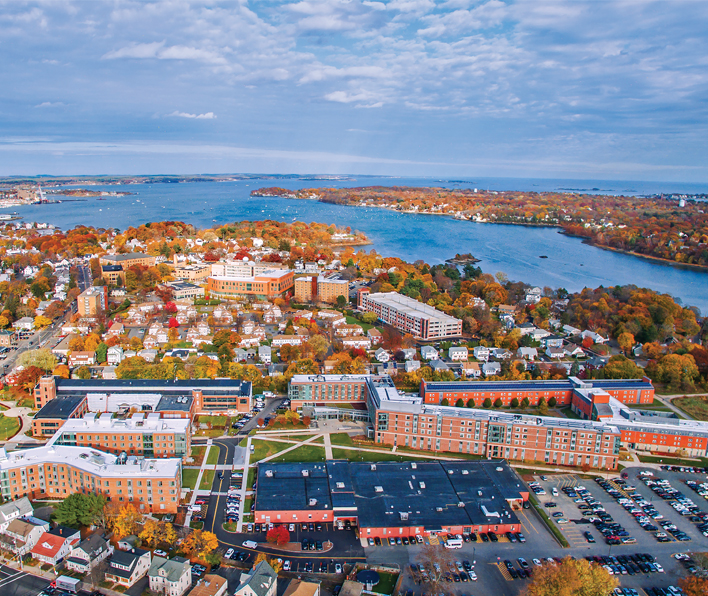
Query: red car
[[200, 502]]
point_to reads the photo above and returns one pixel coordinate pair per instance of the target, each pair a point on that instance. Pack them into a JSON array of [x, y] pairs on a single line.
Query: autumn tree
[[125, 521], [41, 358], [156, 532], [62, 371], [571, 578], [694, 586], [199, 544], [278, 535]]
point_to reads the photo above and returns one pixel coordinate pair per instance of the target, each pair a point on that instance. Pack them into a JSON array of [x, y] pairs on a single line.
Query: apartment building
[[143, 435], [184, 289], [52, 415], [93, 301], [113, 274], [243, 268], [128, 260], [193, 272], [56, 471], [172, 399], [267, 285], [408, 315], [310, 390], [321, 288]]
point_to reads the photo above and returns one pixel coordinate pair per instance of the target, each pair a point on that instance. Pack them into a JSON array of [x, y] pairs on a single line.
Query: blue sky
[[527, 88]]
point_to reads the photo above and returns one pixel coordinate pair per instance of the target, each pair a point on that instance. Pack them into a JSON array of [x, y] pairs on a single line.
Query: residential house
[[148, 354], [259, 581], [438, 365], [375, 336], [299, 587], [501, 353], [458, 353], [21, 534], [222, 316], [596, 337], [526, 328], [568, 330], [89, 553], [481, 353], [87, 358], [471, 370], [114, 355], [408, 353], [14, 510], [555, 353], [575, 351], [109, 373], [429, 353], [210, 585], [411, 365], [382, 355], [290, 340], [265, 354], [128, 542], [24, 324], [527, 353], [539, 334], [125, 567], [491, 368], [348, 330], [171, 577], [272, 315], [55, 544], [116, 329], [552, 341], [358, 341]]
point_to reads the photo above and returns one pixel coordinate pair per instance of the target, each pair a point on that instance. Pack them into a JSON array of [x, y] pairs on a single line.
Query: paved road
[[18, 583]]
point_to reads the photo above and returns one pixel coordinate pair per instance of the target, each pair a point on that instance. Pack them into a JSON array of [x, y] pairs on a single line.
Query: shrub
[[525, 402], [552, 402], [459, 403], [498, 402], [487, 403], [445, 402], [515, 403]]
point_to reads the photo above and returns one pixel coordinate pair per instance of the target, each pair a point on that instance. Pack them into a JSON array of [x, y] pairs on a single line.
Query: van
[[453, 543], [249, 544]]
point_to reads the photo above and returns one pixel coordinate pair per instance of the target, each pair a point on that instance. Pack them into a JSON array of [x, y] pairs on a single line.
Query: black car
[[305, 544], [492, 536], [377, 541], [484, 537], [318, 545]]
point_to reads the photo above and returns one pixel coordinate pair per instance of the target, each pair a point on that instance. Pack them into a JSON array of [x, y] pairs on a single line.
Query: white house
[[381, 355], [171, 577], [408, 353], [290, 340], [571, 330], [358, 341], [55, 544], [429, 353], [265, 354], [24, 324], [472, 370], [527, 353], [14, 510], [596, 337], [481, 353], [411, 365], [555, 353], [127, 567], [114, 355], [22, 534], [491, 368], [458, 353]]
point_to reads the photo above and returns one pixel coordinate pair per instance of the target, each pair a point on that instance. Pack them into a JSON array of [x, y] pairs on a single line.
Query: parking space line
[[526, 517], [504, 571]]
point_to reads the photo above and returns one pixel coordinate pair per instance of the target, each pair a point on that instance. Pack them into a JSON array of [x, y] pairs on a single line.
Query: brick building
[[53, 414], [128, 260], [268, 285], [321, 288], [408, 315], [93, 301], [153, 485]]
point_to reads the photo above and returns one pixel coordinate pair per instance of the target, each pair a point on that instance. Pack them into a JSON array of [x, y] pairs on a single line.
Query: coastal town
[[224, 399]]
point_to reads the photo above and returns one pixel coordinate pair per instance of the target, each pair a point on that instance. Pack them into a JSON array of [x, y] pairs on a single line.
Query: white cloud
[[205, 116], [50, 104], [135, 50]]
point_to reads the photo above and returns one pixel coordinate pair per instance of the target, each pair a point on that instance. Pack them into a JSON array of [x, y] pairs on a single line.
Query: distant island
[[670, 228]]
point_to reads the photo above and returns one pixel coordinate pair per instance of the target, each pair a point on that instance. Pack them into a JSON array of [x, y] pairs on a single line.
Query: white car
[[337, 568], [291, 528], [159, 553], [659, 568], [536, 562], [194, 508], [286, 566], [229, 553], [473, 575]]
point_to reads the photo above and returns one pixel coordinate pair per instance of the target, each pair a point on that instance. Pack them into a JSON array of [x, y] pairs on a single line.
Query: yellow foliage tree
[[41, 322], [126, 522], [571, 578], [199, 544]]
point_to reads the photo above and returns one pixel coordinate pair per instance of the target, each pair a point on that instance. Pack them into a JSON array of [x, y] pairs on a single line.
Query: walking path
[[327, 446], [197, 484], [666, 400], [244, 485]]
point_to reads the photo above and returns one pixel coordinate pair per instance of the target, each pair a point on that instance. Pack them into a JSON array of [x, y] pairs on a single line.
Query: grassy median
[[547, 520]]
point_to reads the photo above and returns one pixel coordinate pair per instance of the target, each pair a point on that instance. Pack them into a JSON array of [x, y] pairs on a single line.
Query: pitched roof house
[[89, 553], [127, 567], [171, 577], [260, 581]]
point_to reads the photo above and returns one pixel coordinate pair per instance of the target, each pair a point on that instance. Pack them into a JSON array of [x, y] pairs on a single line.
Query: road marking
[[504, 571], [529, 521], [12, 578]]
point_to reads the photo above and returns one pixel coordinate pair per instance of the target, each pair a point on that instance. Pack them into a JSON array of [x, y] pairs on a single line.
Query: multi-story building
[[332, 390], [112, 274], [93, 301], [140, 435], [56, 471], [193, 272], [128, 260], [321, 288], [408, 315], [267, 285], [53, 414], [243, 268], [170, 577], [183, 289], [172, 399]]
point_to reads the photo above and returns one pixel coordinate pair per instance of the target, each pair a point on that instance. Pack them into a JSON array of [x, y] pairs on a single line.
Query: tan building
[[265, 286], [323, 288], [299, 587], [194, 272], [93, 301], [128, 260], [113, 274], [153, 485], [305, 289]]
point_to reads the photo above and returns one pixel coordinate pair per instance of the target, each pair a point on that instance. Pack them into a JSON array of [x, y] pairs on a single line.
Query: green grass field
[[263, 449], [674, 461], [251, 478], [695, 406], [342, 439], [364, 326], [353, 455], [8, 427], [386, 583], [213, 457], [189, 478], [207, 480], [568, 413], [216, 421], [306, 453]]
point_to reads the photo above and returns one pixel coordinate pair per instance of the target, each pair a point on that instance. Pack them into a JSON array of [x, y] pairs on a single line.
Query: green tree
[[498, 402], [515, 402], [444, 402], [487, 403], [79, 510], [552, 402], [41, 358], [369, 318], [542, 407], [101, 353], [459, 403], [341, 301], [525, 403], [620, 367]]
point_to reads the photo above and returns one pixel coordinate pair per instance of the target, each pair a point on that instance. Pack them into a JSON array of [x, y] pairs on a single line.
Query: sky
[[598, 89]]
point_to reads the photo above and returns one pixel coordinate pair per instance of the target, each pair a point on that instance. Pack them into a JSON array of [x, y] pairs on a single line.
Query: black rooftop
[[152, 385], [61, 407]]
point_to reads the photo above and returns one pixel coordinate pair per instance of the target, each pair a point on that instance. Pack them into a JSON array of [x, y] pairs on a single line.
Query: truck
[[67, 584]]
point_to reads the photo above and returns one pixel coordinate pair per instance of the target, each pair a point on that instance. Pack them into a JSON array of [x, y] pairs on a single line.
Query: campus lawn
[[263, 449], [189, 478], [342, 439], [8, 427], [386, 583], [694, 405], [354, 321], [216, 421], [207, 480], [568, 413], [674, 461], [251, 478], [306, 453], [372, 456], [213, 457]]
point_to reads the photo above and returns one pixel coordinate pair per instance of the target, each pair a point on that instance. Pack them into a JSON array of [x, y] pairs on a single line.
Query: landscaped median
[[547, 520]]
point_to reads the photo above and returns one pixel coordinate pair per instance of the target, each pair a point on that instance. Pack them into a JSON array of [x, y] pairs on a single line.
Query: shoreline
[[589, 241]]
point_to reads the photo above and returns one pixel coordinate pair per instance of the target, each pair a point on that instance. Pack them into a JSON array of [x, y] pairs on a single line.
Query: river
[[514, 250]]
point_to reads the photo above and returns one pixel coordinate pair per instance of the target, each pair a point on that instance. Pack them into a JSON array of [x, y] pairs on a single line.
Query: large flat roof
[[431, 494], [411, 307], [151, 385], [60, 407]]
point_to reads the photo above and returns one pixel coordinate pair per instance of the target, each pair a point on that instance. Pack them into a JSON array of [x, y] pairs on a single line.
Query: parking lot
[[494, 576]]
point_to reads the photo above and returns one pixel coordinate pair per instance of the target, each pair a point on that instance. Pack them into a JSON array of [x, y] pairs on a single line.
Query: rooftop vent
[[305, 472], [460, 504], [312, 502], [340, 484], [269, 473], [439, 509], [404, 515], [414, 465], [373, 467], [500, 469], [421, 484], [479, 493], [465, 472], [378, 489]]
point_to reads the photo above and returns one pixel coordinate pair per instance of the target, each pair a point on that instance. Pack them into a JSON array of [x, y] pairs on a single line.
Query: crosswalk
[[574, 535], [434, 540], [564, 480]]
